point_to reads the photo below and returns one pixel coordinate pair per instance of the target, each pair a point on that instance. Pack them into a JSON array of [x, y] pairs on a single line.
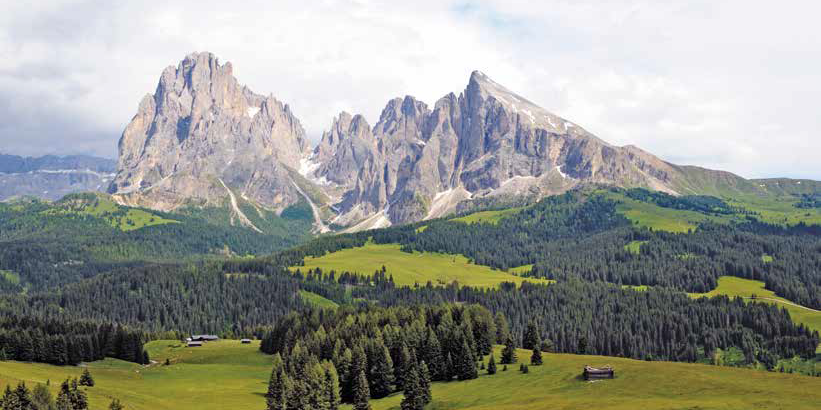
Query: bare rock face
[[202, 139], [202, 136], [488, 141]]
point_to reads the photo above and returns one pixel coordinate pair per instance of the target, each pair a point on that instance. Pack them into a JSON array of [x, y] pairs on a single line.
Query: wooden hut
[[245, 341], [194, 344], [204, 338], [598, 373]]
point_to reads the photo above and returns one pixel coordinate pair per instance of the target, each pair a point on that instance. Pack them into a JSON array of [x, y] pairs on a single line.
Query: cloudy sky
[[726, 84]]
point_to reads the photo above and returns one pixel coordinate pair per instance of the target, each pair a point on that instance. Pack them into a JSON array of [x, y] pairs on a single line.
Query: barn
[[245, 341], [597, 373], [194, 344], [204, 338]]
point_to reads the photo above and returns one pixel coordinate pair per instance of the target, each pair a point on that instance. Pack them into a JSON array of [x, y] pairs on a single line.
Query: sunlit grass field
[[412, 268], [491, 217], [733, 286], [317, 300], [230, 375]]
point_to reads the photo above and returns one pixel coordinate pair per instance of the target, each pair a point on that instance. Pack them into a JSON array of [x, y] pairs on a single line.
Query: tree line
[[67, 342], [371, 352]]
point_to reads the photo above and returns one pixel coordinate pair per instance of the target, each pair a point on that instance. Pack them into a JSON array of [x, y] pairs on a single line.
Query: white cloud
[[730, 85]]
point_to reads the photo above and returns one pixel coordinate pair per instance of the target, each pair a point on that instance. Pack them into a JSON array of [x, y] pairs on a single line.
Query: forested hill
[[49, 244], [626, 237]]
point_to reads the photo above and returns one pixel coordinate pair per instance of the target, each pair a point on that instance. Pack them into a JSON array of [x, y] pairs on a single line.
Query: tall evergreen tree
[[86, 379], [509, 352], [382, 373], [361, 393], [41, 396], [116, 405], [531, 338], [331, 386], [466, 366], [412, 396], [424, 383], [536, 355], [491, 364]]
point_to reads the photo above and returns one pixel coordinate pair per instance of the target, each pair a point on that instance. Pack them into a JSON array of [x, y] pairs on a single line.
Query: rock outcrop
[[202, 139], [202, 135], [419, 163]]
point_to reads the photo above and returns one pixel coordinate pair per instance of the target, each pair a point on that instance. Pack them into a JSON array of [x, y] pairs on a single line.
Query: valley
[[382, 266]]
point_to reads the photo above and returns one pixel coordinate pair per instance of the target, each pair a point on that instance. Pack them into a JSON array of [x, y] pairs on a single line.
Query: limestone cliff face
[[202, 139], [202, 133], [487, 141]]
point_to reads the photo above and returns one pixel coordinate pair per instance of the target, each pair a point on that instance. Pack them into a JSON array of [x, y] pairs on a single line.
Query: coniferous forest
[[66, 304]]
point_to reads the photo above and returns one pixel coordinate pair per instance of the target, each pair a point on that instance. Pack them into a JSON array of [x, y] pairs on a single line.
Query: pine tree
[[86, 379], [424, 383], [491, 365], [509, 352], [276, 396], [79, 400], [41, 396], [331, 386], [382, 376], [531, 337], [10, 399], [361, 393], [64, 397], [412, 399], [403, 366], [432, 354], [466, 363], [115, 405], [24, 400], [536, 357]]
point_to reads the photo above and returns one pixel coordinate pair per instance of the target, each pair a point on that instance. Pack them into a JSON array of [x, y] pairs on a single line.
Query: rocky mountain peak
[[202, 137]]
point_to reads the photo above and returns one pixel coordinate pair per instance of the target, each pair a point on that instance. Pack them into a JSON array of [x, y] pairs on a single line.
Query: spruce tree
[[24, 400], [276, 396], [116, 405], [536, 357], [466, 364], [10, 399], [509, 352], [86, 379], [331, 386], [79, 400], [432, 354], [412, 399], [491, 365], [41, 396], [424, 383], [361, 393], [531, 338], [64, 397], [381, 380]]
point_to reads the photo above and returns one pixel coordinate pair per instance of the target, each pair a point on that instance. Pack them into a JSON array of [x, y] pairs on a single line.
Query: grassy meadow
[[411, 268], [491, 217], [229, 375], [317, 300], [733, 286], [102, 206]]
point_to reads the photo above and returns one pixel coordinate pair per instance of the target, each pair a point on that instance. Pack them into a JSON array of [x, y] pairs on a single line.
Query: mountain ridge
[[202, 134]]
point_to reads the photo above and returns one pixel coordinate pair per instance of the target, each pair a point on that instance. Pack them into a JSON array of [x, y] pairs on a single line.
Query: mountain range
[[204, 140], [52, 177]]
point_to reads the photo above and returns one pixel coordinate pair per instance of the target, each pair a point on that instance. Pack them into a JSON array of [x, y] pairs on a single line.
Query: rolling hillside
[[227, 374]]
